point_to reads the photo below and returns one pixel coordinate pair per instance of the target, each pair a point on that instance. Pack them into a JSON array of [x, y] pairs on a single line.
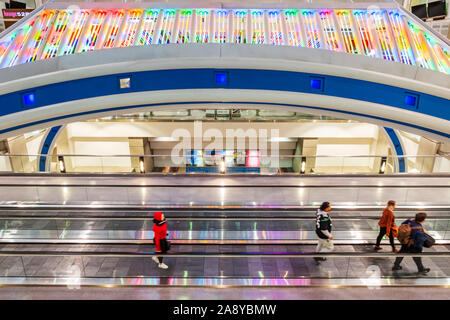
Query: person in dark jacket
[[323, 230], [387, 226], [160, 231], [417, 239]]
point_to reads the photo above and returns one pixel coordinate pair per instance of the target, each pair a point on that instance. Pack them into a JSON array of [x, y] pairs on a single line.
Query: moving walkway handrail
[[220, 255], [188, 218], [221, 156]]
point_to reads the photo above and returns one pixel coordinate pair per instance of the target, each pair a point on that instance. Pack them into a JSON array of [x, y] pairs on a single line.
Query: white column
[[50, 29], [284, 28], [211, 26], [193, 26], [230, 38], [338, 31], [249, 29], [157, 33], [30, 37], [416, 55], [356, 31], [63, 39], [266, 28], [322, 38], [123, 24], [391, 34], [302, 28], [82, 37], [430, 51], [139, 28], [373, 32], [176, 27]]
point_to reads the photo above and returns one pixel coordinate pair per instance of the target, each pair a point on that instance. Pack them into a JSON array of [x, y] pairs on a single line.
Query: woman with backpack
[[387, 226], [323, 230], [161, 243], [412, 236]]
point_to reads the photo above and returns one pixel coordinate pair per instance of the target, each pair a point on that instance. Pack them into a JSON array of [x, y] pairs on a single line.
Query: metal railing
[[82, 265], [224, 163]]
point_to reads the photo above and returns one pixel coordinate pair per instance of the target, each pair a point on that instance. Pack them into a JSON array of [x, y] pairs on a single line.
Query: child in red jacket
[[161, 243]]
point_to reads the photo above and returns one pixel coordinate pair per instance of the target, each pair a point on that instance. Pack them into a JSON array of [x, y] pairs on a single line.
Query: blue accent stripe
[[46, 146], [184, 79], [398, 148]]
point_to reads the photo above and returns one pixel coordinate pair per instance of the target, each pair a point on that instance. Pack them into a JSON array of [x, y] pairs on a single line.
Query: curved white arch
[[233, 56]]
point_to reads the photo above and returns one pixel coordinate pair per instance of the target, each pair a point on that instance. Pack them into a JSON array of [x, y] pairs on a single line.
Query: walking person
[[414, 242], [323, 230], [161, 243], [387, 226]]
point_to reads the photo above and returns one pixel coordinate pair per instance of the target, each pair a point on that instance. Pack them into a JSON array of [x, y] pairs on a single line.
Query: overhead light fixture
[[141, 165], [62, 166], [303, 165], [221, 78], [28, 99], [383, 165], [411, 100], [125, 83], [316, 83]]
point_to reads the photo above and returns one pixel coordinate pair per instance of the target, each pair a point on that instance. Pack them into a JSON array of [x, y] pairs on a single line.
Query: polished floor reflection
[[197, 268]]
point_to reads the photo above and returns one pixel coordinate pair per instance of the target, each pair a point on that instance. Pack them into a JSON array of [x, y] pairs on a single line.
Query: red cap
[[157, 216]]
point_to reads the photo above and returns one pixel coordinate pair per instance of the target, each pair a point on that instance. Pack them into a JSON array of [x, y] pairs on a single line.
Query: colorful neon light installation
[[424, 57], [239, 25], [401, 37], [56, 34], [92, 33], [16, 46], [386, 34], [258, 32], [75, 26], [221, 26], [365, 32], [344, 19], [147, 31], [294, 33], [115, 21], [329, 30], [202, 24], [128, 35], [168, 22], [311, 28], [185, 24], [42, 28]]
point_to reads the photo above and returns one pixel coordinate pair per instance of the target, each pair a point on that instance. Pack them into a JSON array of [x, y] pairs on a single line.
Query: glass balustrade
[[224, 162]]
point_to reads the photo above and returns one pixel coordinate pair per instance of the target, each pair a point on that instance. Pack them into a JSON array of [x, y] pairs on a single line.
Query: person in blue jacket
[[418, 238]]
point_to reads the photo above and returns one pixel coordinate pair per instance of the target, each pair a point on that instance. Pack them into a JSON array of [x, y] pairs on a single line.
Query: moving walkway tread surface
[[225, 267], [238, 227]]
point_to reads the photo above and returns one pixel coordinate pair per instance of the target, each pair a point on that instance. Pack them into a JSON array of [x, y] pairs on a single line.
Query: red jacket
[[387, 221], [159, 228]]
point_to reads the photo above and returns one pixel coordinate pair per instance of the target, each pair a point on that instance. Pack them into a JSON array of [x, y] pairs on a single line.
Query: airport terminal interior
[[237, 121]]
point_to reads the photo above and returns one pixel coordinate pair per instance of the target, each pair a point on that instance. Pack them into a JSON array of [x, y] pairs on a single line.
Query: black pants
[[163, 243], [161, 258], [382, 233], [406, 249]]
